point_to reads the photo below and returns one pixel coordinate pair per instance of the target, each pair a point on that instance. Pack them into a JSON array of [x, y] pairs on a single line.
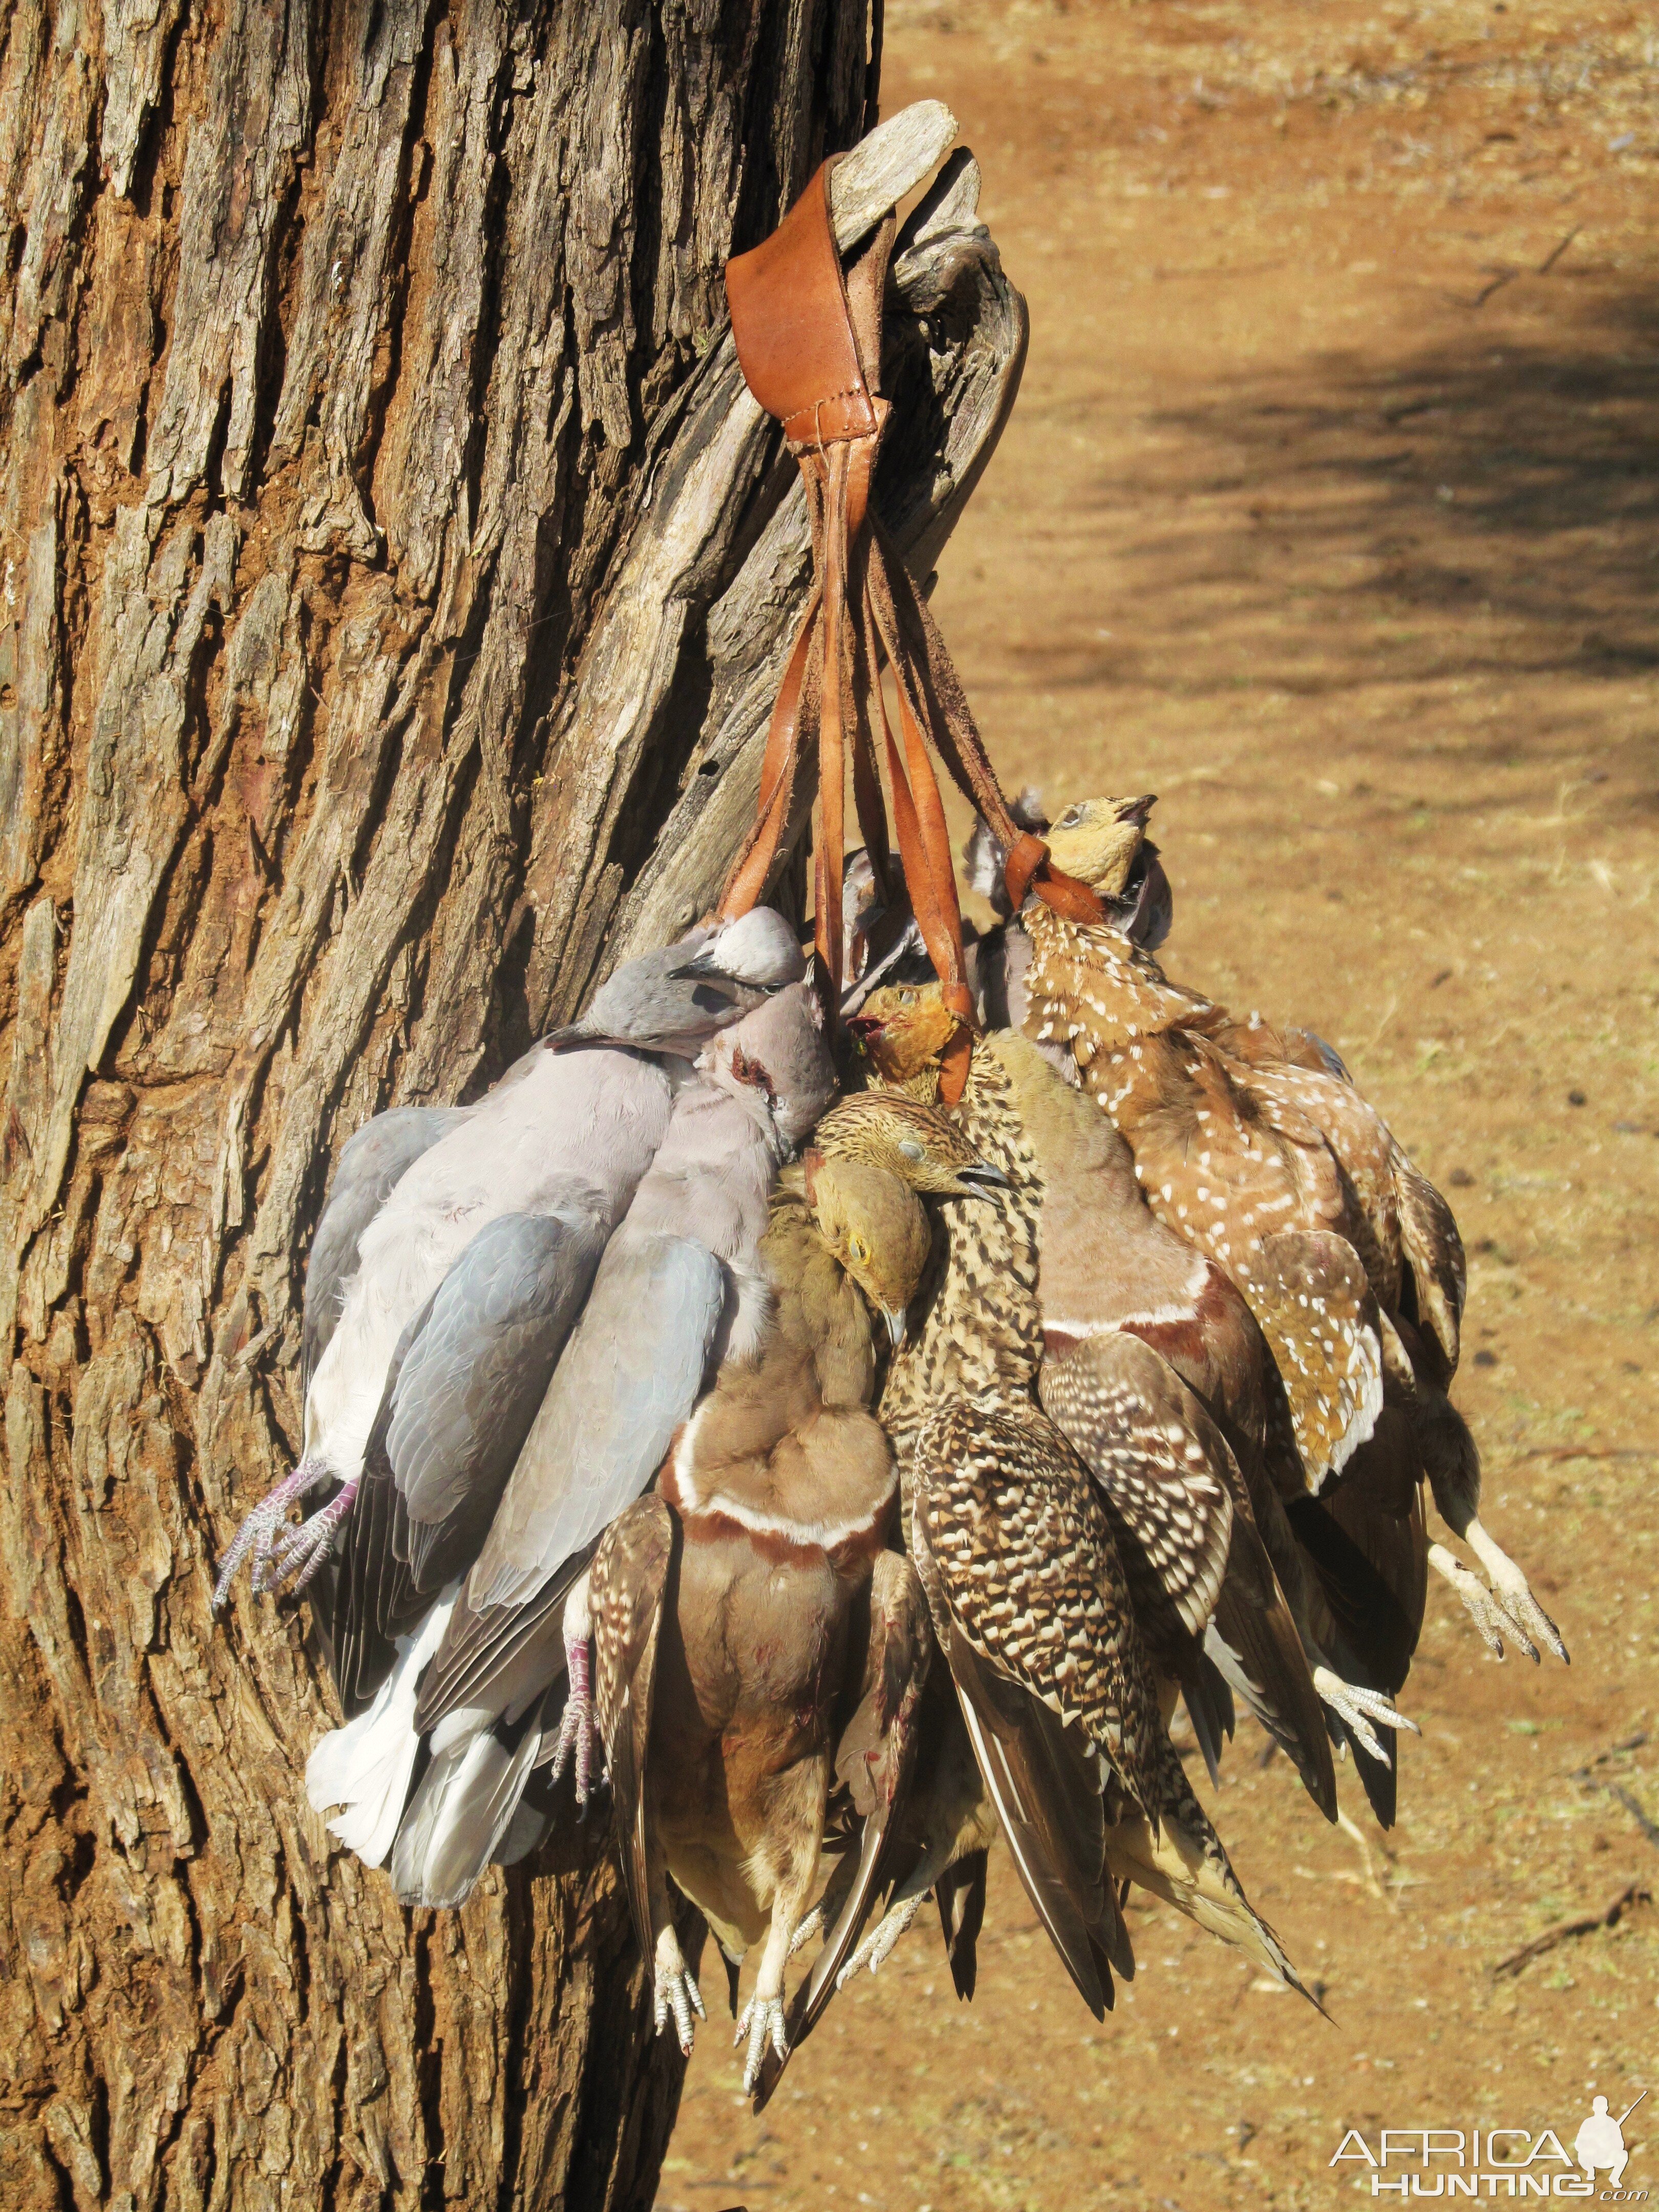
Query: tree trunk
[[395, 574]]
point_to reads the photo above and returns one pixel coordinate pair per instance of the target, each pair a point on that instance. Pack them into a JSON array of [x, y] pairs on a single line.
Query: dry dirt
[[1327, 512]]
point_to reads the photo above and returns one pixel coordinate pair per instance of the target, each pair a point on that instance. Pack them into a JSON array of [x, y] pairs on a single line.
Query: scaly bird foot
[[825, 1913], [760, 2017], [579, 1730], [1513, 1594], [678, 1995], [815, 1924], [878, 1945], [257, 1532], [1489, 1614], [301, 1551], [1360, 1708]]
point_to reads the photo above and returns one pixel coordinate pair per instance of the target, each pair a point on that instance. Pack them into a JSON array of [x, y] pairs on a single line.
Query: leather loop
[[794, 330], [1068, 896], [1026, 856], [958, 1056], [808, 336]]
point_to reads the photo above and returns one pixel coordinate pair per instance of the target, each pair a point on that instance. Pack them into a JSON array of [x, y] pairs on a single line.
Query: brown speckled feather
[[627, 1588], [1136, 1427], [1229, 1157], [1030, 1570]]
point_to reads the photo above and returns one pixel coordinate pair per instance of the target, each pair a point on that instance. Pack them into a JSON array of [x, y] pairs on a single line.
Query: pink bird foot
[[301, 1551], [258, 1534], [579, 1731]]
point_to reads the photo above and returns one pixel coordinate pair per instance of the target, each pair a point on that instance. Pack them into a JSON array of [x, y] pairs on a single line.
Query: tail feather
[[1209, 1703], [368, 1766], [1253, 1640], [1185, 1862], [462, 1811], [1184, 1865]]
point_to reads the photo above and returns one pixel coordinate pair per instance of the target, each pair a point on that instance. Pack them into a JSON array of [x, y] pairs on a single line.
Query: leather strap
[[808, 336], [793, 327]]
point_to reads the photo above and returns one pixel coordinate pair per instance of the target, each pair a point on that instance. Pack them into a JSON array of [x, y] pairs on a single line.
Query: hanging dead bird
[[1028, 1597], [561, 1141], [1258, 1148], [471, 1530], [749, 1601], [1133, 1319]]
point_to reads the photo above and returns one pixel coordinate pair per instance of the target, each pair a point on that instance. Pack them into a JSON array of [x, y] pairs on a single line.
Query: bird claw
[[1508, 1609], [1359, 1707], [1511, 1595], [761, 2018], [301, 1551], [814, 1924], [1483, 1609], [258, 1531], [579, 1730], [579, 1744], [877, 1946], [678, 1997], [1532, 1626]]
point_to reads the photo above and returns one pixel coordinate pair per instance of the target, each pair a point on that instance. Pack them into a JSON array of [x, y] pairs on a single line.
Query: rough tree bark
[[395, 574]]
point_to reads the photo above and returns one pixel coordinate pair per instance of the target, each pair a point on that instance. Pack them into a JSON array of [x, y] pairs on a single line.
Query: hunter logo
[[1452, 2162]]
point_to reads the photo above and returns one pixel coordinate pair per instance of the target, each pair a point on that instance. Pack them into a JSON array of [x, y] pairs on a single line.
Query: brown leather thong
[[809, 339]]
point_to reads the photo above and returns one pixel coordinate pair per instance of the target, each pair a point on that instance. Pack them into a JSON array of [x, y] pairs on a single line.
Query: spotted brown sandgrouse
[[1256, 1146]]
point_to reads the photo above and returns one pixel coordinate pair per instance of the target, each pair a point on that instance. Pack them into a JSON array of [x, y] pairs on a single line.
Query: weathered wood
[[368, 412]]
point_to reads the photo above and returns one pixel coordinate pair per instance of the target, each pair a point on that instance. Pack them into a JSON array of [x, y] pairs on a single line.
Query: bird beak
[[700, 969], [1140, 810], [898, 1327], [863, 1026], [980, 1179]]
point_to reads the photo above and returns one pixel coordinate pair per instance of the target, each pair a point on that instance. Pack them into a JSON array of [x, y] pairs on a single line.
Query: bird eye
[[912, 1149], [1070, 819], [907, 997], [860, 1250]]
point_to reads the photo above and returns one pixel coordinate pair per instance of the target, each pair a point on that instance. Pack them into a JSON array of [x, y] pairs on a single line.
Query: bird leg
[[678, 1996], [303, 1550], [1527, 1617], [1483, 1609], [1360, 1708], [878, 1942], [797, 1864], [763, 2016], [579, 1731], [825, 1913], [257, 1532]]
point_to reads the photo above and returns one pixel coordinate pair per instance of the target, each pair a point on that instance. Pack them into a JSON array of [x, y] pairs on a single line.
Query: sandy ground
[[1328, 513]]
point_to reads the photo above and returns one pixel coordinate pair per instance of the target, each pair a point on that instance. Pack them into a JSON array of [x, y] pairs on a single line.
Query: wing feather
[[371, 1163], [461, 1392], [630, 1375], [629, 1589]]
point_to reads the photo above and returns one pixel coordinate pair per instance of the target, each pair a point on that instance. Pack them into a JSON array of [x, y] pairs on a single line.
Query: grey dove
[[564, 1136], [679, 1289]]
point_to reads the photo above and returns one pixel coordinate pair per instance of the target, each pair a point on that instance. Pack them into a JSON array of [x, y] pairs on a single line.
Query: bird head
[[874, 1225], [919, 1143], [1104, 843], [758, 952], [778, 1054], [904, 1028]]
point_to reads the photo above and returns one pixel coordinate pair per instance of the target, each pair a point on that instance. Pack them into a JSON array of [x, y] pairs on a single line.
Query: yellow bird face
[[904, 1028], [875, 1227], [1100, 840]]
